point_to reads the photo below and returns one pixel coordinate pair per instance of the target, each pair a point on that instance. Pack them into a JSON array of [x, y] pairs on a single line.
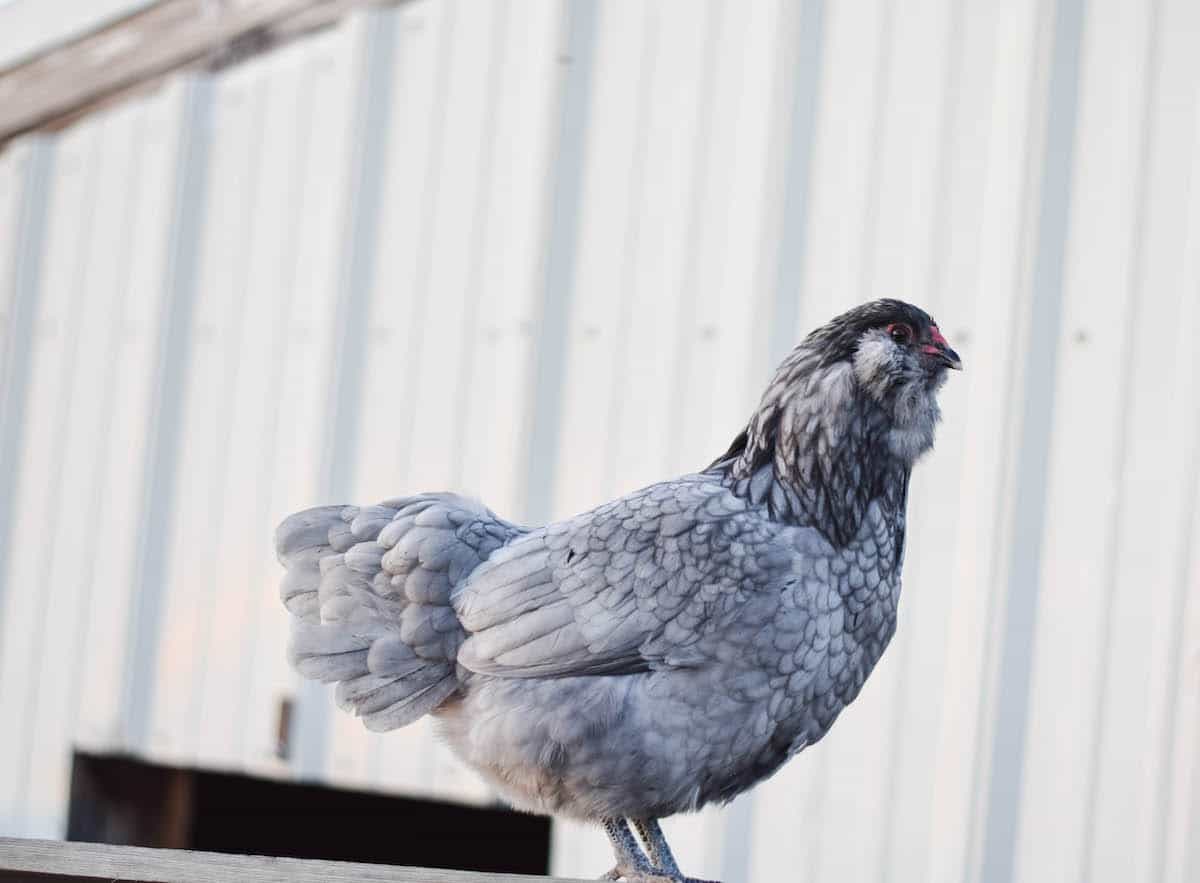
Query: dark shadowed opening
[[124, 801]]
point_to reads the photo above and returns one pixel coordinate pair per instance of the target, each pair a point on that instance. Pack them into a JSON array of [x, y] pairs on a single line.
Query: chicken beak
[[949, 358], [939, 349]]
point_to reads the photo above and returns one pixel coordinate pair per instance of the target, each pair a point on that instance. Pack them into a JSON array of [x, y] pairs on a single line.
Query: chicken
[[666, 650]]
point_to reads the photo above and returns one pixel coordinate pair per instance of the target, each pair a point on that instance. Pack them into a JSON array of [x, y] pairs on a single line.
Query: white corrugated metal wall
[[547, 251]]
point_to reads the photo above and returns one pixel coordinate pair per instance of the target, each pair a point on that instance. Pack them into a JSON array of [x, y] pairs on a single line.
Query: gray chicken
[[668, 649]]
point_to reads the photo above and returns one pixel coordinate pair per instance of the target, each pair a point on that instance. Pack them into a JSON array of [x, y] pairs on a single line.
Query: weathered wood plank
[[101, 861], [168, 35]]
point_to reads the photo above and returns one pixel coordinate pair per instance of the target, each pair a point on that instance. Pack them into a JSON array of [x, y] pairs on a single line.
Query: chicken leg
[[660, 853]]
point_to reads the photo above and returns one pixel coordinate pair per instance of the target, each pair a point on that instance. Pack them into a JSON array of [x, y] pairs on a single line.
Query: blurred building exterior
[[547, 251]]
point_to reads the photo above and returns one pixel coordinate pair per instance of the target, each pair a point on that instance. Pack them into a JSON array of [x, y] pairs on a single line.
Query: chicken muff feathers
[[843, 420], [667, 649]]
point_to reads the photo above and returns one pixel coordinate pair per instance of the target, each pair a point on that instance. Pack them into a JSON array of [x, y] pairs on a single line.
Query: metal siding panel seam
[[210, 372], [560, 250], [39, 456], [27, 167], [185, 217], [1028, 515]]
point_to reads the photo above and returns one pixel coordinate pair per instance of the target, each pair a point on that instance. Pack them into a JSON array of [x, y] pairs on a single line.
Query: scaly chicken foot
[[633, 866], [660, 852]]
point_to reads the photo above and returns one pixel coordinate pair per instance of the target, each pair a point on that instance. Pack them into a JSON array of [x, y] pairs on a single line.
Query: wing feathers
[[594, 595]]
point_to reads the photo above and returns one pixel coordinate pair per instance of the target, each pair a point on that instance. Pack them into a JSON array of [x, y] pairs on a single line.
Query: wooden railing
[[161, 38], [52, 861]]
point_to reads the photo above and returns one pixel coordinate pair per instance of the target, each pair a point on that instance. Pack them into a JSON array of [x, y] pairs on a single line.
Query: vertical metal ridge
[[1033, 449], [802, 135], [477, 236], [874, 171], [28, 253], [256, 96], [1176, 668], [62, 422], [1189, 558], [632, 242], [560, 252], [370, 133], [429, 199], [697, 191], [987, 705], [938, 255], [1121, 453], [117, 300], [166, 411]]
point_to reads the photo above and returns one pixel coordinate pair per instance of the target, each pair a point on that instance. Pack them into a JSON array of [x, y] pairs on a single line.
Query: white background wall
[[548, 251]]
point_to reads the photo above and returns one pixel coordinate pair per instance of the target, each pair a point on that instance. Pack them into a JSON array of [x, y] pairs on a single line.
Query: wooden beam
[[146, 45], [103, 862]]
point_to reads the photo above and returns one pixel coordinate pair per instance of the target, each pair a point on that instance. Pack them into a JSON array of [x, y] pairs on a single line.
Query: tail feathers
[[300, 543], [369, 589]]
